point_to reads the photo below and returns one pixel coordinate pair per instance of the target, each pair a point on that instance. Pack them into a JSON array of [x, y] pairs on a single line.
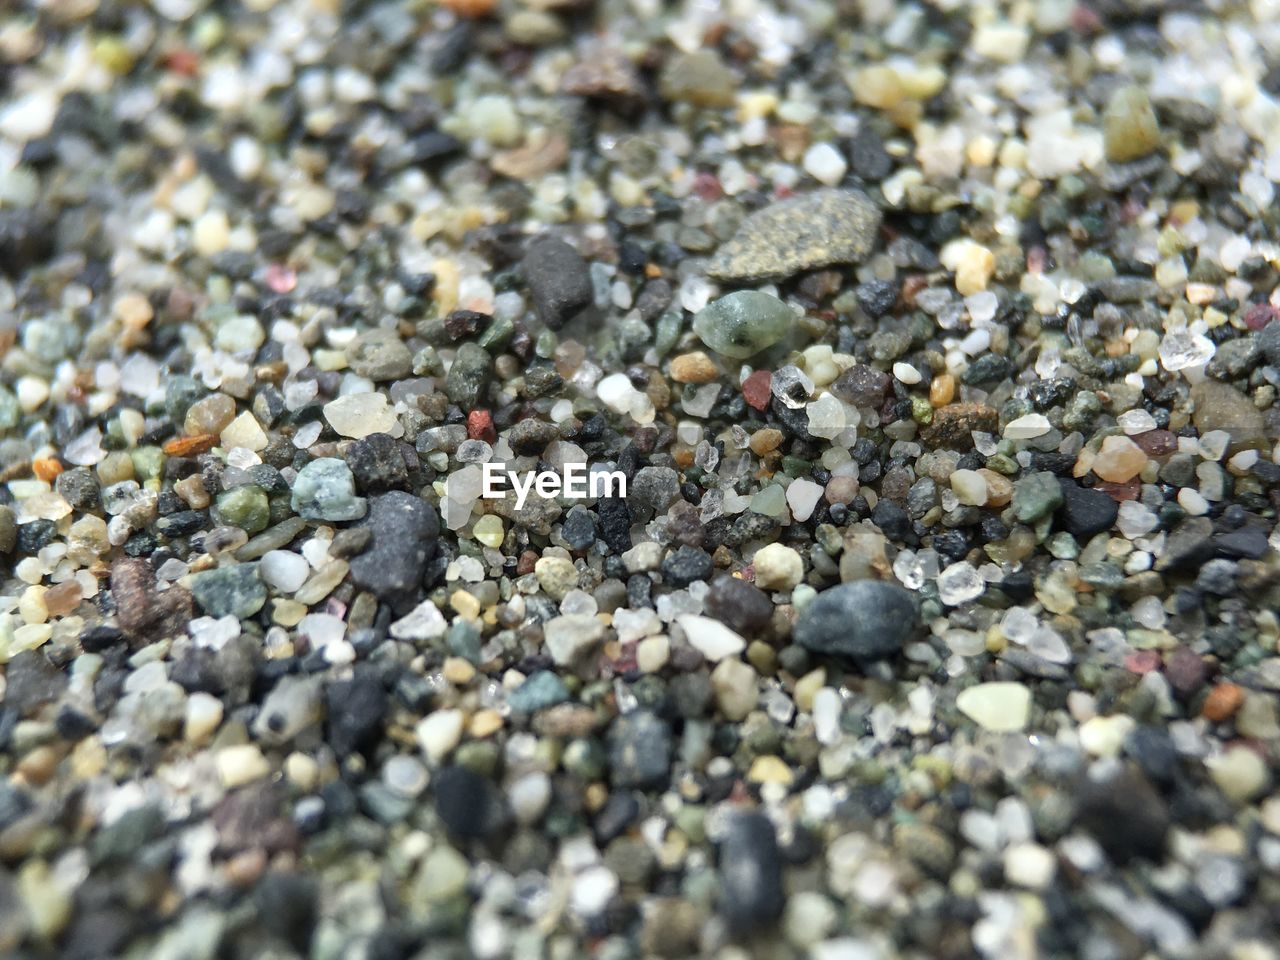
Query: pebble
[[1124, 813], [818, 229], [325, 490], [734, 685], [750, 874], [559, 280], [360, 414], [571, 637], [998, 706], [231, 591], [777, 567], [743, 323], [862, 621], [379, 355], [1130, 129], [241, 764], [639, 750], [700, 78], [1087, 511], [711, 638], [404, 531], [467, 803]]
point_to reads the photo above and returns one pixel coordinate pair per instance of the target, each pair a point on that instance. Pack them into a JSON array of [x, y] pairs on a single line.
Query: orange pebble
[[470, 8], [190, 446], [46, 469], [942, 390], [1222, 702]]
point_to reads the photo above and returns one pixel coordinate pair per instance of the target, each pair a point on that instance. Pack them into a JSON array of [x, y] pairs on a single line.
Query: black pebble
[[751, 895], [559, 280], [468, 805], [1086, 511]]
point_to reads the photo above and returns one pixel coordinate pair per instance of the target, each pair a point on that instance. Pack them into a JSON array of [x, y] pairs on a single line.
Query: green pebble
[[743, 323], [1036, 495], [325, 490], [148, 462], [234, 591], [245, 507], [496, 336], [667, 331]]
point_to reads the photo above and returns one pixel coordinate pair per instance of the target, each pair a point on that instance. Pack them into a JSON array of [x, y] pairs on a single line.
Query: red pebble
[[1259, 315], [1119, 492], [755, 389], [1142, 661], [182, 61], [480, 426], [1157, 443], [707, 186]]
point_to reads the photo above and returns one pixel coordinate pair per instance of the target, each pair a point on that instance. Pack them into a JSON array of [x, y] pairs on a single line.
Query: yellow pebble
[[31, 607], [770, 769], [486, 723], [489, 530], [465, 603], [458, 671]]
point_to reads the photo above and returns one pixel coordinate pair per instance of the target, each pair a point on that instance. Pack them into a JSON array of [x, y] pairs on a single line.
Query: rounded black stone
[[864, 620]]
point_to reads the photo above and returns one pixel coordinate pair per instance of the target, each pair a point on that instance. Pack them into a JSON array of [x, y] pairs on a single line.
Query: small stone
[[639, 746], [777, 567], [539, 691], [807, 232], [1029, 865], [379, 355], [1119, 460], [1124, 813], [743, 323], [694, 367], [439, 732], [710, 637], [1036, 495], [142, 611], [751, 890], [1027, 428], [284, 570], [234, 590], [572, 636], [378, 464], [1129, 128], [926, 846], [467, 804], [360, 414], [1000, 706], [1220, 406], [740, 605], [970, 487], [862, 621], [1086, 511], [559, 280], [734, 684], [824, 163], [557, 576], [1239, 772], [469, 376], [354, 711], [244, 431], [245, 507], [241, 764], [405, 529], [699, 78]]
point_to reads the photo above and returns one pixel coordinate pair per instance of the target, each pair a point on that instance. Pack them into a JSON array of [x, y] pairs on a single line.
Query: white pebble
[[906, 373], [824, 163]]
